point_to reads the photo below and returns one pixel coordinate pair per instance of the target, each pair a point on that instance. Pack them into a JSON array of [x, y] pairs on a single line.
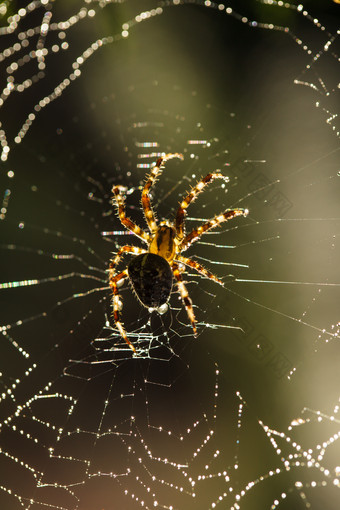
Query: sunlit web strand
[[27, 283], [14, 343], [282, 314], [234, 264], [220, 326], [317, 284], [113, 233], [52, 255], [322, 416], [287, 175], [60, 235], [78, 295]]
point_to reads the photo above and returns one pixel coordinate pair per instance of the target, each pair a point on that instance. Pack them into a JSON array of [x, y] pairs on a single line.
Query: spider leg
[[199, 268], [124, 249], [214, 222], [191, 196], [146, 202], [185, 296], [129, 224], [114, 280]]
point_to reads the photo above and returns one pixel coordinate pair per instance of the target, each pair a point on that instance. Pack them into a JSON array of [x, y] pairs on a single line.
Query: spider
[[152, 271]]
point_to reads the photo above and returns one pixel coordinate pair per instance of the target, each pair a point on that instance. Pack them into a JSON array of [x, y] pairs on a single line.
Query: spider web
[[247, 415]]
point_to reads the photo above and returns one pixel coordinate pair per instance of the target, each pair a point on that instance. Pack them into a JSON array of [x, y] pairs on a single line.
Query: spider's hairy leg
[[199, 268], [114, 281], [146, 202], [191, 196], [129, 224], [185, 296], [214, 222], [124, 249]]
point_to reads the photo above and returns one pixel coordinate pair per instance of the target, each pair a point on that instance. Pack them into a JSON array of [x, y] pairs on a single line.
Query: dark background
[[190, 73]]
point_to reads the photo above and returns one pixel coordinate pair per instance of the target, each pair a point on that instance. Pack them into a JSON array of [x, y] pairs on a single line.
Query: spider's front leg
[[127, 222], [191, 196], [114, 283], [146, 202], [185, 296], [213, 223]]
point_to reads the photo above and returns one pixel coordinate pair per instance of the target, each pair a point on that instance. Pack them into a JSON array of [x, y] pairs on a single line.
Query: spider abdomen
[[151, 278]]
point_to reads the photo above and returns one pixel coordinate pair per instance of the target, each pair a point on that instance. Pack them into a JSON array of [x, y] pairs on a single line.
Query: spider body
[[151, 278], [151, 271], [164, 242]]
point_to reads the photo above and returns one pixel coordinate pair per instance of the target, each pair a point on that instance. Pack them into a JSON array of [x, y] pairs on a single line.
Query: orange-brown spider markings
[[151, 272]]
